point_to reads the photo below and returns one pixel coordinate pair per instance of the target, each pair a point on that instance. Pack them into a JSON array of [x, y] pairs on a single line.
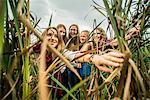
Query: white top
[[70, 54]]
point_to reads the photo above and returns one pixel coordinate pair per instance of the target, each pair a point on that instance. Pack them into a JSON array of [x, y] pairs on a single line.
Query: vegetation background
[[17, 65]]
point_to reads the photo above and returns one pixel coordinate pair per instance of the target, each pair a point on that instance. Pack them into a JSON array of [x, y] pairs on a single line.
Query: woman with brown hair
[[54, 40], [73, 38], [62, 32], [48, 34]]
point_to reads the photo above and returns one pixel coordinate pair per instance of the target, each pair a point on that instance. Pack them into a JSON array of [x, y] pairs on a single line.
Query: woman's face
[[53, 41], [73, 31], [61, 31], [83, 37], [51, 32], [52, 37], [98, 36]]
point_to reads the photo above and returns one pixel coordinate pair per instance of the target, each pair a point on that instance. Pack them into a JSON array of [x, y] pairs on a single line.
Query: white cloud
[[68, 12]]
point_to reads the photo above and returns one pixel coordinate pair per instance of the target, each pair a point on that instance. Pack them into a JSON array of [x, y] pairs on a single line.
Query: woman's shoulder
[[86, 46]]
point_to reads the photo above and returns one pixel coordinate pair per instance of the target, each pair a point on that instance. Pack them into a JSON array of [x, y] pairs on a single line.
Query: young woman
[[62, 32], [84, 36], [85, 68], [48, 33], [54, 40], [98, 40], [73, 38]]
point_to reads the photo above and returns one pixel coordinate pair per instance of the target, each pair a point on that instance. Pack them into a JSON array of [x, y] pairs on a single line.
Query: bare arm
[[133, 32], [111, 58], [86, 47]]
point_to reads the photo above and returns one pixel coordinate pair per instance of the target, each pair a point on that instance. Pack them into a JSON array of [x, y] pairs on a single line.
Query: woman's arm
[[85, 47], [133, 32], [112, 58]]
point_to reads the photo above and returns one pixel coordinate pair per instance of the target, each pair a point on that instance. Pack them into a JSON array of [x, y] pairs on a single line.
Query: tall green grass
[[123, 15], [17, 64]]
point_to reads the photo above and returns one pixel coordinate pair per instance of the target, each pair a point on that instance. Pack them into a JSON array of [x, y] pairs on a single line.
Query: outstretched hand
[[133, 32], [115, 59]]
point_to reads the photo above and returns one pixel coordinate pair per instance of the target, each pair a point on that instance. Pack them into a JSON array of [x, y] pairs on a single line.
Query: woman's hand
[[111, 59], [133, 32]]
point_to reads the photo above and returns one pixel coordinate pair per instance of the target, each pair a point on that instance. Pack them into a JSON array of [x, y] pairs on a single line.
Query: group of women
[[84, 49]]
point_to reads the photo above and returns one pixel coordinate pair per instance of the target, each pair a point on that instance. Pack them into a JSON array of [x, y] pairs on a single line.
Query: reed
[[23, 78]]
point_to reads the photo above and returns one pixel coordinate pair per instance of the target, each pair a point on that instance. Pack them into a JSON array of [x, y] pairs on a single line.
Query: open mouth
[[82, 40]]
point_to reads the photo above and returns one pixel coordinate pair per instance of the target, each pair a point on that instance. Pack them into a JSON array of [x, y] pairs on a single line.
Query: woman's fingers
[[105, 69], [116, 54], [133, 32], [109, 63], [114, 59]]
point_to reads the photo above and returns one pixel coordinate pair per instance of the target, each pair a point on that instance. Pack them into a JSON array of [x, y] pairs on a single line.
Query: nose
[[96, 35], [52, 36]]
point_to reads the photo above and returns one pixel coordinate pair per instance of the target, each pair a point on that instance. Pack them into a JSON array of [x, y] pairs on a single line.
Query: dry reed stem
[[43, 89], [127, 85], [91, 84], [51, 67], [113, 74], [138, 75], [95, 88], [19, 6], [12, 86]]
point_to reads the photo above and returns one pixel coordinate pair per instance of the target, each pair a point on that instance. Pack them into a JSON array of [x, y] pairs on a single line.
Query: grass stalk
[[43, 89], [127, 84], [75, 88], [2, 20], [138, 76], [114, 25], [26, 68]]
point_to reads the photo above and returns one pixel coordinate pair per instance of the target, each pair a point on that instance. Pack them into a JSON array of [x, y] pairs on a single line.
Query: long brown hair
[[64, 38], [60, 44], [75, 40]]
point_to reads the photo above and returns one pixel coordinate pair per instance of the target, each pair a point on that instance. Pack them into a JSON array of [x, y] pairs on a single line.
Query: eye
[[49, 40], [62, 32], [49, 34], [73, 29]]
